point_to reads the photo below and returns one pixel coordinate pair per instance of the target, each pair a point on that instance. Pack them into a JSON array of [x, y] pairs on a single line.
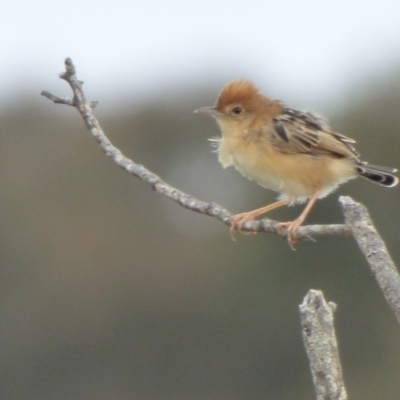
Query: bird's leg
[[238, 220], [292, 226]]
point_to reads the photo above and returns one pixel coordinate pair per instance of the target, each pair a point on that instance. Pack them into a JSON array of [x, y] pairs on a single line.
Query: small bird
[[291, 152]]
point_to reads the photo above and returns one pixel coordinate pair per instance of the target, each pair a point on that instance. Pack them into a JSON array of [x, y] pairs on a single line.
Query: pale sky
[[311, 51]]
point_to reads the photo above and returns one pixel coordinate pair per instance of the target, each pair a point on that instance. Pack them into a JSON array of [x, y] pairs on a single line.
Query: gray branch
[[358, 222], [212, 209], [374, 250], [316, 314], [321, 346]]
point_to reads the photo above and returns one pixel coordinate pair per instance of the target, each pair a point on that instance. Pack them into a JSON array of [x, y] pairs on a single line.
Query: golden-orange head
[[241, 103], [239, 92]]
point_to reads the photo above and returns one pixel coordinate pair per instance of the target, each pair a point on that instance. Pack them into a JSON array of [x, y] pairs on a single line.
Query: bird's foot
[[291, 230], [237, 222]]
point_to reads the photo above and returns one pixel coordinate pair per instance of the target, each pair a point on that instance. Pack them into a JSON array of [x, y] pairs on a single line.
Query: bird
[[294, 153]]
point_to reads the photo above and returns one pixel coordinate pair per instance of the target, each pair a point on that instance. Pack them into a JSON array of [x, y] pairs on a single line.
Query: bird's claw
[[291, 231], [237, 223]]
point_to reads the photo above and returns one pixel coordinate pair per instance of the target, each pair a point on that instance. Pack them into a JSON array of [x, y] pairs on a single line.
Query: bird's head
[[240, 105]]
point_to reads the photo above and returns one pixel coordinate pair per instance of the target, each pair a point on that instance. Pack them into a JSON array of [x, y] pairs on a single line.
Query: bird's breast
[[296, 176], [251, 161]]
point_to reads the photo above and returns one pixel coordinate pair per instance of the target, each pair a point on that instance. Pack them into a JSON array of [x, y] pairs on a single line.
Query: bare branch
[[58, 100], [85, 108], [374, 250], [321, 346], [316, 314]]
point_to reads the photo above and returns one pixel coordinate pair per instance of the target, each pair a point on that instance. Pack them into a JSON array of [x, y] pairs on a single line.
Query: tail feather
[[382, 175]]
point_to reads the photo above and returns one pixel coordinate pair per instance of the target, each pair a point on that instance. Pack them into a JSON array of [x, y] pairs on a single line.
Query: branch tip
[[321, 346], [93, 104], [69, 70], [332, 305], [69, 66], [58, 100]]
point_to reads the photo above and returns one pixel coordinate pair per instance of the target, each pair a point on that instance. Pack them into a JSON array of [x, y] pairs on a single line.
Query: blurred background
[[109, 290]]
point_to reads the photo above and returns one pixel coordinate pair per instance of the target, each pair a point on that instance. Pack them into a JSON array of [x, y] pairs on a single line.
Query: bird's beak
[[207, 111]]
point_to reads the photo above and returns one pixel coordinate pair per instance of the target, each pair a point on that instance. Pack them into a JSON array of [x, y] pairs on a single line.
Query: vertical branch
[[374, 250], [321, 346]]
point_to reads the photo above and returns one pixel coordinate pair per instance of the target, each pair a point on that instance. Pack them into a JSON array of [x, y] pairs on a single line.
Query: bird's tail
[[382, 175]]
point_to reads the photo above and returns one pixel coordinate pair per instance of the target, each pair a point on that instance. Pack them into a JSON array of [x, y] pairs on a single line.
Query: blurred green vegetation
[[110, 291]]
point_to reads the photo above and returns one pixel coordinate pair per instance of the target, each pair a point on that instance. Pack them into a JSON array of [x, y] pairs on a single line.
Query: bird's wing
[[308, 133]]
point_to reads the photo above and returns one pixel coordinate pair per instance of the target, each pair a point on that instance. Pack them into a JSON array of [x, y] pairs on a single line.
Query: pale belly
[[296, 177]]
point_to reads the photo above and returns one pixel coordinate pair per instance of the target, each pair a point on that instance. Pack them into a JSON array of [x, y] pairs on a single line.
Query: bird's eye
[[237, 110]]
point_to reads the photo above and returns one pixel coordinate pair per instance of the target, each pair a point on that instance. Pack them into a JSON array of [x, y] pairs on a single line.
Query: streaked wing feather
[[296, 132]]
